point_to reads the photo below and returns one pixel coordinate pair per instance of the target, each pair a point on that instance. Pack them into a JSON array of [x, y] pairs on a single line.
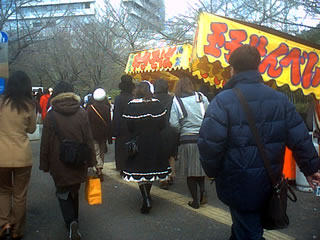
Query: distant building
[[36, 13], [150, 12]]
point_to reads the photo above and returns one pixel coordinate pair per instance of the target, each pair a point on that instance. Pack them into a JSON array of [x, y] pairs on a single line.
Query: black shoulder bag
[[72, 153], [274, 215]]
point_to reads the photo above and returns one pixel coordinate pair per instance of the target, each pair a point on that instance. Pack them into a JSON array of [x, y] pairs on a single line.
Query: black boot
[[192, 185], [148, 187], [203, 193], [146, 205]]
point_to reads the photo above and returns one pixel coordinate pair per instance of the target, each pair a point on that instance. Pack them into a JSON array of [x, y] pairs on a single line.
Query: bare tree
[[289, 16]]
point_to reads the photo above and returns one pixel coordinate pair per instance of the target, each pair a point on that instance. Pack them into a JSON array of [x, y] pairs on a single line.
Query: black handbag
[[132, 148], [71, 153], [274, 214]]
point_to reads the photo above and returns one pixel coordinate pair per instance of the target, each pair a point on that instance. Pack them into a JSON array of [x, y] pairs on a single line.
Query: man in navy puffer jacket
[[228, 151]]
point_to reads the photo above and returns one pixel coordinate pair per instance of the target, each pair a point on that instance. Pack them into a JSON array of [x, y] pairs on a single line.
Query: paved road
[[118, 218]]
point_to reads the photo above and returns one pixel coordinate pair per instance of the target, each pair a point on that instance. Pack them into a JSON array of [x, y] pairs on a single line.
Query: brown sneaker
[[170, 181], [164, 185]]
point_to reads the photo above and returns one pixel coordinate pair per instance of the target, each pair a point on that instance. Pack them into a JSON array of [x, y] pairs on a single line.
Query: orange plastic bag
[[289, 166], [93, 191]]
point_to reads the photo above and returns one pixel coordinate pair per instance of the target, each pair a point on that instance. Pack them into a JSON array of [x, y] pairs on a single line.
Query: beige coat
[[15, 149]]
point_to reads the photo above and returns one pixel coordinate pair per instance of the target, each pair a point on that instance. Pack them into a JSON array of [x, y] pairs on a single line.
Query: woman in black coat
[[119, 127], [145, 119], [169, 134]]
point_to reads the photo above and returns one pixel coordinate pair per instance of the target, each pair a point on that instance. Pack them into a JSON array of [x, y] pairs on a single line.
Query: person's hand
[[314, 180]]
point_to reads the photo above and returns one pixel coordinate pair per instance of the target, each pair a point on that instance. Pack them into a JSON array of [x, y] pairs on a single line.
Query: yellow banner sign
[[160, 59], [286, 61]]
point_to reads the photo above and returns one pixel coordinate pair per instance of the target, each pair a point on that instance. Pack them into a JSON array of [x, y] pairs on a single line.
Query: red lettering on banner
[[293, 58], [141, 61], [216, 39], [157, 59], [260, 43], [145, 59], [136, 61], [237, 37], [316, 78], [308, 73], [270, 62], [166, 60]]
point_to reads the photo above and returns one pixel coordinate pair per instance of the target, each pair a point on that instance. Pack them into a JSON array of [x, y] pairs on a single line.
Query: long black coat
[[169, 134], [120, 129], [145, 121]]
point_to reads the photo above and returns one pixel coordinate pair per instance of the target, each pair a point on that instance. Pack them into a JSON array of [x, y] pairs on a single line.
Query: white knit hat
[[99, 94]]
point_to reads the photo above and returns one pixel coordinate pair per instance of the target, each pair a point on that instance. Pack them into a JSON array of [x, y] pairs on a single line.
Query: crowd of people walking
[[157, 136]]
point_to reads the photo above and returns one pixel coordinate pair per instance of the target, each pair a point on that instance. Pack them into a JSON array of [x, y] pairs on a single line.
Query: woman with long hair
[[66, 120], [186, 116], [145, 119], [17, 118]]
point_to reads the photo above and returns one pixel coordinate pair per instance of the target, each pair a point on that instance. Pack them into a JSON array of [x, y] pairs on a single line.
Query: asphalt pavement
[[119, 217]]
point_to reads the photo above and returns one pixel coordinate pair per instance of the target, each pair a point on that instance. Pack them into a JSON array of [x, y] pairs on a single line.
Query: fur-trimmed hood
[[66, 103]]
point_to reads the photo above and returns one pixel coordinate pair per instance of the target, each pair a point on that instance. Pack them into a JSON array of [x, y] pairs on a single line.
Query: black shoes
[[147, 203], [203, 200], [74, 231], [194, 204], [146, 206], [5, 232]]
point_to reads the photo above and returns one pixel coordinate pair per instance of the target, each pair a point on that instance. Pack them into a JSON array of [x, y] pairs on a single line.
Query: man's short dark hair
[[245, 58]]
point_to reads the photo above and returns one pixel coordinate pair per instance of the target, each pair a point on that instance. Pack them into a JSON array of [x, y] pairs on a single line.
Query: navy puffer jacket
[[228, 150]]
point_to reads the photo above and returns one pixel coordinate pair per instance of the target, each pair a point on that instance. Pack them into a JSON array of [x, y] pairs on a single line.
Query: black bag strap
[[256, 135], [183, 109]]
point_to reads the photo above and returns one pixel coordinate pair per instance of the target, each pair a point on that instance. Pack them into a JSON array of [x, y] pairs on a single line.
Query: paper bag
[[93, 191]]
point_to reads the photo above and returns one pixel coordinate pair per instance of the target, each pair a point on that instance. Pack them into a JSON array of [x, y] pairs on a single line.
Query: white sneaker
[[74, 231]]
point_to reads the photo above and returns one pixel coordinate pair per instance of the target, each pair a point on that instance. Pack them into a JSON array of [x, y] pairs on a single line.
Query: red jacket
[[43, 104]]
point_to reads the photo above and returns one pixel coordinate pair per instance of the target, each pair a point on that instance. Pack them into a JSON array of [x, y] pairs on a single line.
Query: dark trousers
[[246, 225], [68, 197]]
